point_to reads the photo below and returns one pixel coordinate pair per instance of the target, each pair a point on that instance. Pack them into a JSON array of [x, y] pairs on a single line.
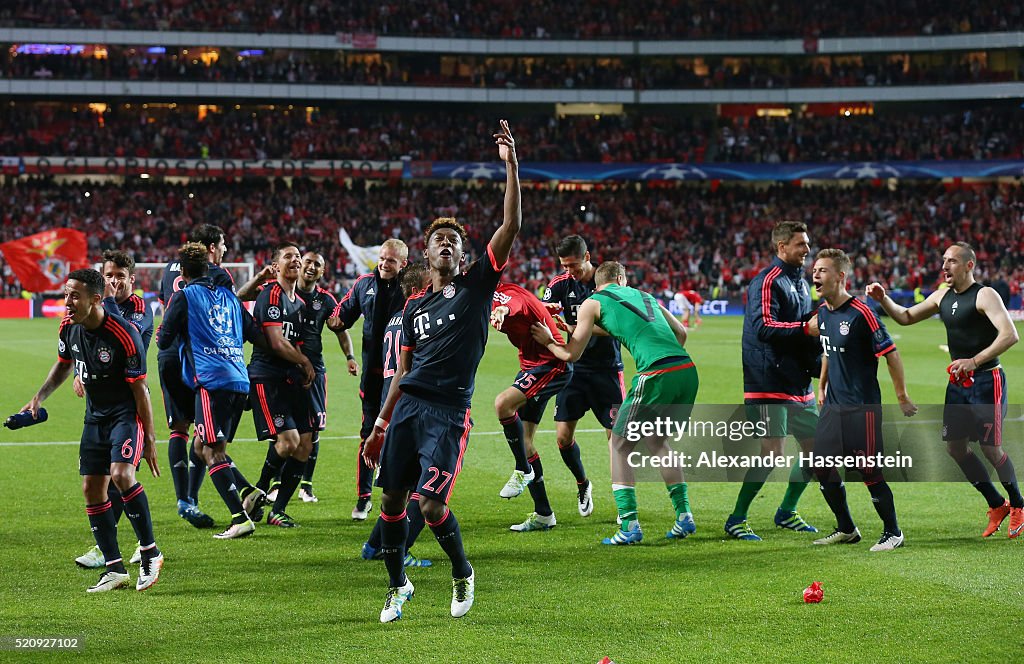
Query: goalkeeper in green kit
[[665, 376]]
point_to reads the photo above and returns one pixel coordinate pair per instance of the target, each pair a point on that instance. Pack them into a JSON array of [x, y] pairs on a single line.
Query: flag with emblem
[[42, 262], [364, 257]]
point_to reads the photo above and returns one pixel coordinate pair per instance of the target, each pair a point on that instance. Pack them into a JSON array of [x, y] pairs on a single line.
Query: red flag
[[42, 262]]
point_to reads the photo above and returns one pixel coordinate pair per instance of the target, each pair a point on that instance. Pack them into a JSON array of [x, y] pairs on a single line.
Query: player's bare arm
[[498, 315], [905, 315], [990, 304], [375, 441], [823, 379], [501, 241], [144, 410], [899, 383], [586, 320], [59, 373], [677, 328], [250, 289], [345, 341]]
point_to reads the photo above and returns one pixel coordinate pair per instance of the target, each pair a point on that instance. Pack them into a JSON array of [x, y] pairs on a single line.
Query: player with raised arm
[[521, 406], [666, 377], [597, 382], [781, 355], [376, 297], [850, 423], [211, 325], [426, 413], [978, 331], [118, 428]]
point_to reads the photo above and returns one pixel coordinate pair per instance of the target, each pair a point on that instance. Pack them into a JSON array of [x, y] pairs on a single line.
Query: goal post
[[148, 276]]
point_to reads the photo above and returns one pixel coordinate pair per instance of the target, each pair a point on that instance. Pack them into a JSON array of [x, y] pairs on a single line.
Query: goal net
[[148, 276]]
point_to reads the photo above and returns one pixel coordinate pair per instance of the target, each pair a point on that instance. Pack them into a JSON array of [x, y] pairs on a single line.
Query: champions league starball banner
[[639, 172]]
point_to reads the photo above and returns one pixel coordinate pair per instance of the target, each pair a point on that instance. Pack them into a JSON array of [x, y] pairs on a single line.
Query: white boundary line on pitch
[[254, 440]]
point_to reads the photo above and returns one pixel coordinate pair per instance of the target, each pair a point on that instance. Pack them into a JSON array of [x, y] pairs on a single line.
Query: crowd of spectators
[[314, 67], [448, 134], [532, 19], [710, 239]]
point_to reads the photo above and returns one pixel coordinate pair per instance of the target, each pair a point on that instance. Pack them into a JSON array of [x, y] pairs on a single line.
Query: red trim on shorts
[[622, 386], [140, 433], [261, 396], [807, 398], [997, 427], [462, 452], [204, 399], [542, 383], [869, 421]]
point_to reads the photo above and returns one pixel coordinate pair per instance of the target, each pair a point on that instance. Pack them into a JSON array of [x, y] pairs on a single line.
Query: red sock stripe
[[178, 434], [534, 457], [218, 468], [132, 493], [393, 519], [93, 510], [565, 447], [441, 520], [1002, 462], [509, 420], [114, 562], [415, 496]]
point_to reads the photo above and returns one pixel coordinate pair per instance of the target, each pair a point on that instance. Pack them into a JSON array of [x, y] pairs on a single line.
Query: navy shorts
[[370, 396], [179, 400], [218, 413], [600, 392], [318, 403], [114, 439], [976, 412], [423, 448], [538, 384], [278, 406], [854, 430]]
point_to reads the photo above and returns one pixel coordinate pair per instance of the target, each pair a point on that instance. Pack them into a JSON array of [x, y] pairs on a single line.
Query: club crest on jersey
[[317, 305], [273, 313], [844, 328], [60, 345], [103, 354], [278, 421], [449, 291]]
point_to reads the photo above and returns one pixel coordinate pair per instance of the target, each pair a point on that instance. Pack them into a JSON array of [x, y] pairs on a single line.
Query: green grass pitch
[[558, 596]]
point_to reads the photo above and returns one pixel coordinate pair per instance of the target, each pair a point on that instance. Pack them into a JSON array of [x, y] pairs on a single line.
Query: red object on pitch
[[43, 261], [813, 593]]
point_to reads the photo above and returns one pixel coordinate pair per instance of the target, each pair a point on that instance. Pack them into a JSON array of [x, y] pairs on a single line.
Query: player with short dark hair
[[850, 423], [597, 382], [978, 331], [781, 355], [376, 296], [212, 325], [118, 428], [280, 376], [521, 406], [666, 376], [444, 332]]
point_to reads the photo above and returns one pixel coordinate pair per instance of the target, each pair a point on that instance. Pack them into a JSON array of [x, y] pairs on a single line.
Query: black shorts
[[318, 403], [599, 391], [538, 384], [114, 439], [218, 413], [976, 412], [845, 431], [278, 406], [423, 448], [370, 396], [179, 400]]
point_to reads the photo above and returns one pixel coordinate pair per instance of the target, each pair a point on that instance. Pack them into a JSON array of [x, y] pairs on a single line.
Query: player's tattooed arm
[[59, 373]]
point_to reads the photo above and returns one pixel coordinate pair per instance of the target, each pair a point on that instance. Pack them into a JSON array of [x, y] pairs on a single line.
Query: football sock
[[752, 483], [307, 473], [177, 459], [104, 529], [537, 490], [364, 475], [136, 508], [513, 428], [680, 499], [291, 473], [116, 505], [271, 468], [450, 538], [881, 498], [196, 473], [571, 457], [416, 521], [393, 532], [374, 540], [835, 496], [976, 473], [240, 481], [1008, 478], [625, 503], [223, 477], [798, 479]]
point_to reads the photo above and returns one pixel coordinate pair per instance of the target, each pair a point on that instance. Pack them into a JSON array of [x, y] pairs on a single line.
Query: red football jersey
[[525, 310]]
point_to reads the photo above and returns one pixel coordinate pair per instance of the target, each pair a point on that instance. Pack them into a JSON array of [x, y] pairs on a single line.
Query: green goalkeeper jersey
[[635, 319]]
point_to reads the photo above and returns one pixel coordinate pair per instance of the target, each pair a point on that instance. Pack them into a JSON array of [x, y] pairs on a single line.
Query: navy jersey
[[320, 304], [376, 300], [854, 339], [107, 360], [968, 331], [274, 309], [602, 353], [172, 281], [212, 326], [392, 352], [779, 358], [135, 311], [446, 331]]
